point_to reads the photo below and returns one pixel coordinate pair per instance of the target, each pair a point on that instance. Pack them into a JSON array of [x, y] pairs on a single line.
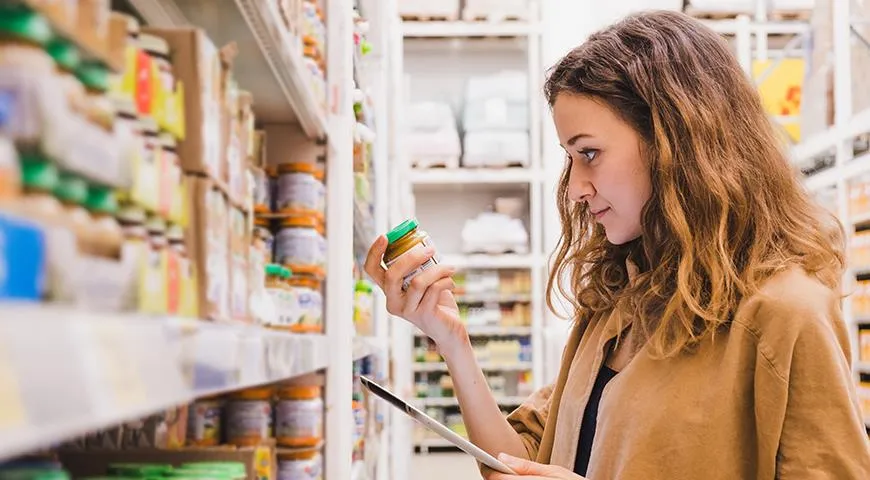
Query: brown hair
[[726, 211]]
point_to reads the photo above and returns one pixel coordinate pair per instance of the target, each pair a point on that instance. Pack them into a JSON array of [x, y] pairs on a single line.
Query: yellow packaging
[[780, 84]]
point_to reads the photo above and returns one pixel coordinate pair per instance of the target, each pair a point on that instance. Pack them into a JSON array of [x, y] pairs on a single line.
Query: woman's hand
[[428, 302], [529, 470]]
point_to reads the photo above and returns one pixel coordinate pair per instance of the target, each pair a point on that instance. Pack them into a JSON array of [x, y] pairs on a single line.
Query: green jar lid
[[22, 23], [274, 270], [93, 76], [139, 470], [64, 53], [233, 468], [286, 272], [71, 188], [39, 175], [101, 199], [402, 229]]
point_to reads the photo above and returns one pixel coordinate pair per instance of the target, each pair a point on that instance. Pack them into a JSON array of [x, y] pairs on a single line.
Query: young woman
[[708, 340]]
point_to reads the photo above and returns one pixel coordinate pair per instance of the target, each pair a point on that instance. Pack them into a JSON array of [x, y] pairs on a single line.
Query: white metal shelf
[[847, 171], [64, 372], [860, 219], [493, 298], [466, 29], [434, 443], [863, 367], [472, 176], [490, 367], [482, 261], [269, 65], [454, 402], [492, 331], [367, 346]]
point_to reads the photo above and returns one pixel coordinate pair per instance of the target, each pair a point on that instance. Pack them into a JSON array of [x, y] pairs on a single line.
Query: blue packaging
[[22, 259]]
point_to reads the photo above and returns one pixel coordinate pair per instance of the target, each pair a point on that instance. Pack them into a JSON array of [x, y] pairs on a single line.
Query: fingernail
[[505, 459]]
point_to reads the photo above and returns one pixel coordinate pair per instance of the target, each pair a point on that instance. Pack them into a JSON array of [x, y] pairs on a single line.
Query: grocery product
[[285, 303], [298, 190], [299, 416], [249, 416], [362, 307], [300, 465], [262, 190], [401, 240], [263, 233], [307, 293], [301, 246], [23, 256], [204, 422], [493, 149]]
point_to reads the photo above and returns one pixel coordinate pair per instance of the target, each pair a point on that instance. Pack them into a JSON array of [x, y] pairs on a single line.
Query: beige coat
[[772, 397]]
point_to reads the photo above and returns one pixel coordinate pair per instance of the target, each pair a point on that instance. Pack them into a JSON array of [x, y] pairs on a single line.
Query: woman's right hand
[[428, 302]]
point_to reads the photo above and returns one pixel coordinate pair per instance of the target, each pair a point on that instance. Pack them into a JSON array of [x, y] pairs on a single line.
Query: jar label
[[249, 420], [297, 191], [204, 425], [299, 419], [425, 242], [310, 469], [300, 246]]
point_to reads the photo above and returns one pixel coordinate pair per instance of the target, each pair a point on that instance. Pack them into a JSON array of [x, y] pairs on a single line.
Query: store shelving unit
[[453, 402], [65, 372], [487, 367], [493, 331], [480, 176]]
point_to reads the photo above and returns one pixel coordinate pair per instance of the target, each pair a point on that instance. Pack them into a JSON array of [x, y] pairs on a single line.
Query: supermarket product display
[[431, 138], [494, 233]]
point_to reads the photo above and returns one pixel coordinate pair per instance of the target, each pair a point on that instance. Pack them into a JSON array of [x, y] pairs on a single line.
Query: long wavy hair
[[727, 211]]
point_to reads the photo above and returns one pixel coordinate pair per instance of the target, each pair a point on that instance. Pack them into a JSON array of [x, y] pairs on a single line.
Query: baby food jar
[[300, 465], [401, 240], [204, 422], [300, 245], [309, 316], [297, 190], [262, 191], [299, 416], [249, 417]]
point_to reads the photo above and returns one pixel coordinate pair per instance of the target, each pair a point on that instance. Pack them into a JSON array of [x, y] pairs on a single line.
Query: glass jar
[[309, 317], [297, 189], [320, 176], [72, 191], [249, 417], [262, 191], [204, 422], [300, 245], [299, 416], [300, 465], [401, 240], [157, 50], [103, 207], [169, 197]]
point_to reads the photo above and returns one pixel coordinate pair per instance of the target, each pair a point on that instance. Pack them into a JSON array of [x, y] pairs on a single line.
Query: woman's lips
[[600, 213]]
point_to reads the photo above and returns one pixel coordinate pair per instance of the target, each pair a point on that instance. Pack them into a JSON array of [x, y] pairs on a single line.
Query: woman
[[708, 340]]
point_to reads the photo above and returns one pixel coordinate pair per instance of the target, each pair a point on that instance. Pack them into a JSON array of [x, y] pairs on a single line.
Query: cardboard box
[[260, 462], [207, 240], [196, 63]]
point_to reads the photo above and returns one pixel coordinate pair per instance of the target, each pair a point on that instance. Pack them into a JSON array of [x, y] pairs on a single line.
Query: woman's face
[[608, 172]]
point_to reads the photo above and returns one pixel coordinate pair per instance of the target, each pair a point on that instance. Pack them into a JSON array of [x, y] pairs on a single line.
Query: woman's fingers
[[372, 264], [433, 294], [405, 264], [430, 287], [418, 285]]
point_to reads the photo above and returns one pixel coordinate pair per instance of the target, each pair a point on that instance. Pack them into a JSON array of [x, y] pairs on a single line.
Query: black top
[[590, 420]]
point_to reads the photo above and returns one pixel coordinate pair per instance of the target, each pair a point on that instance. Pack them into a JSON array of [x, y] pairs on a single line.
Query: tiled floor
[[440, 466]]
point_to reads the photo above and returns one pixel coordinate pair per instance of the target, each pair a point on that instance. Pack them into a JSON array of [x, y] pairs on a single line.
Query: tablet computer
[[436, 427]]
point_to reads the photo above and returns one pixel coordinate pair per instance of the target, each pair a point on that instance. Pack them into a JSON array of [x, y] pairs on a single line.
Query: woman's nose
[[580, 189]]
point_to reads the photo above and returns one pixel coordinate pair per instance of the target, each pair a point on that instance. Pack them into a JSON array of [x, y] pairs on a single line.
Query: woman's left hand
[[529, 470]]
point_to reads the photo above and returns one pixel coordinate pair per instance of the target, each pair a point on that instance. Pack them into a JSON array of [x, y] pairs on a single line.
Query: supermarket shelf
[[367, 346], [862, 219], [433, 443], [492, 367], [64, 372], [453, 402], [863, 367], [466, 29], [270, 66], [492, 331], [481, 261], [472, 176], [493, 298], [829, 177], [861, 270], [731, 27], [826, 141]]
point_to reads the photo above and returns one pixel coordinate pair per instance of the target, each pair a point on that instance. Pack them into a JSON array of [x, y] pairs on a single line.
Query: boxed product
[[425, 9], [197, 64], [23, 259], [238, 263], [496, 10], [208, 244], [431, 138], [499, 101], [496, 149], [744, 6]]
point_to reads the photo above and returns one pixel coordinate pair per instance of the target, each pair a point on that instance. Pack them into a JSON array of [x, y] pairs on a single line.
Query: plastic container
[[495, 149], [299, 416], [204, 422], [402, 239], [297, 190], [249, 417], [72, 191], [300, 465], [320, 176], [301, 246], [103, 207], [309, 316]]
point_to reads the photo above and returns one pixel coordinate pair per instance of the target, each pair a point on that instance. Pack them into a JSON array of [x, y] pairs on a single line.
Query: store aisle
[[438, 466]]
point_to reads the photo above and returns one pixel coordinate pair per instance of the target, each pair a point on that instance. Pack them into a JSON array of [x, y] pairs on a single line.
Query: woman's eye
[[590, 154]]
